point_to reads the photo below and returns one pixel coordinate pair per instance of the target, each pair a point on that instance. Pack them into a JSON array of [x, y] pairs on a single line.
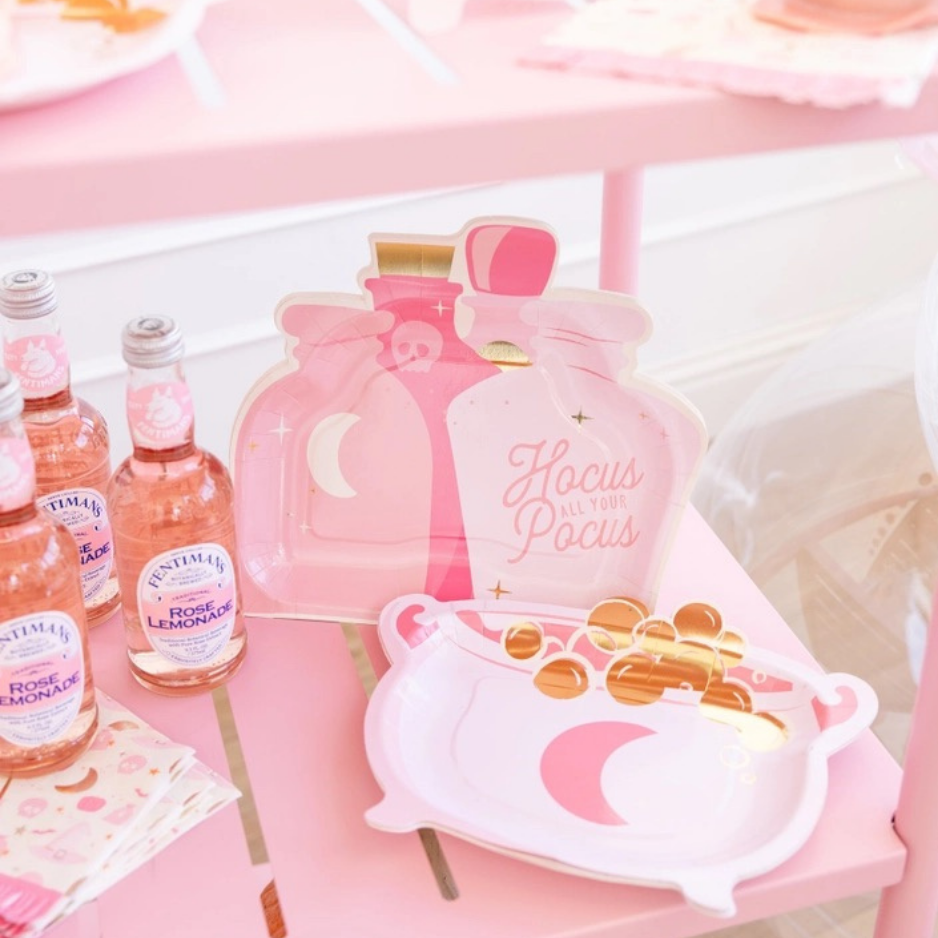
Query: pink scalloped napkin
[[720, 44], [66, 837]]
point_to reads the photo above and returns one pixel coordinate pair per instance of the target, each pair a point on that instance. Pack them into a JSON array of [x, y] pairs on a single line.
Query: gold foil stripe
[[414, 260], [428, 838], [504, 355], [237, 766]]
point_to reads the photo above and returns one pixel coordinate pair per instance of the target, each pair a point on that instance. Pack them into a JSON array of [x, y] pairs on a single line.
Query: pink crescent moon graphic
[[572, 767]]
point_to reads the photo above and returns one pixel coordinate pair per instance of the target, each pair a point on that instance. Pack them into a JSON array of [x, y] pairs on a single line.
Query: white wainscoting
[[745, 262]]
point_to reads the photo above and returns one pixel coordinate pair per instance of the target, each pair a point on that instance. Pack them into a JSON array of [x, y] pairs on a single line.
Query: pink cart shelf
[[319, 102], [299, 707], [311, 101]]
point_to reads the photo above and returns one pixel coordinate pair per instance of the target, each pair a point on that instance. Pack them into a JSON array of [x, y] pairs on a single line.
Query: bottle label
[[40, 362], [84, 513], [186, 600], [17, 473], [160, 415], [42, 677]]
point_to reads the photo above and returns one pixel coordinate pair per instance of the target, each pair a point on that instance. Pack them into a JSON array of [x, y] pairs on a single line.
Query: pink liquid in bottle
[[48, 713], [172, 508], [424, 352], [69, 438]]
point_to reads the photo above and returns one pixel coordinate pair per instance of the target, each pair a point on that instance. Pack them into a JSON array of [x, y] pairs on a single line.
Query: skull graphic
[[416, 346]]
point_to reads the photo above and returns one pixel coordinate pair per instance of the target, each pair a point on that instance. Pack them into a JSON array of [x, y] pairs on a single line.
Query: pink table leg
[[621, 230], [909, 909]]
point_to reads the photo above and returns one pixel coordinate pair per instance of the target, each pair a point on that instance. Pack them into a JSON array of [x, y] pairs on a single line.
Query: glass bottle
[[172, 509], [69, 438], [48, 712]]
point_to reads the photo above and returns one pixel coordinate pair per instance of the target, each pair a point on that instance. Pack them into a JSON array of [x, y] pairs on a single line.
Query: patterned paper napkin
[[720, 44], [66, 837]]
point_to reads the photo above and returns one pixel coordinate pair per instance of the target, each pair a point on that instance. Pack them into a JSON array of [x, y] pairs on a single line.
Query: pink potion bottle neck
[[423, 351], [329, 337], [587, 336], [17, 470], [509, 266]]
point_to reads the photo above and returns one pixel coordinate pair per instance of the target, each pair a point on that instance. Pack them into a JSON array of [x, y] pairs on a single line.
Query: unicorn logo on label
[[37, 361], [163, 410]]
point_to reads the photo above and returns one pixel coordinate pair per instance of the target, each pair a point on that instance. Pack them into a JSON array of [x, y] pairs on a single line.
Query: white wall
[[744, 262]]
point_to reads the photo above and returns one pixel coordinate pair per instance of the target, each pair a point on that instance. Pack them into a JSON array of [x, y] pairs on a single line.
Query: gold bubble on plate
[[698, 622], [562, 679], [612, 622], [732, 648], [727, 695], [695, 665], [657, 637], [632, 680], [523, 640]]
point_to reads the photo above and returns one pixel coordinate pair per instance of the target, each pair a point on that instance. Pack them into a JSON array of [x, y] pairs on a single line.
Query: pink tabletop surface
[[319, 102], [299, 707]]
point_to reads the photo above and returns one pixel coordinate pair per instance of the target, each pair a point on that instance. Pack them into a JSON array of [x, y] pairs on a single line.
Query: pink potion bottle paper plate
[[611, 744], [461, 430]]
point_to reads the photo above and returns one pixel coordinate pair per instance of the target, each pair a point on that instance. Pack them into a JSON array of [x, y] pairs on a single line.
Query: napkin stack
[[67, 837], [721, 44]]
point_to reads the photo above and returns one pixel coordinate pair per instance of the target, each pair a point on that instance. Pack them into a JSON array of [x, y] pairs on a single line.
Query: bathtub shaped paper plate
[[459, 429], [514, 742]]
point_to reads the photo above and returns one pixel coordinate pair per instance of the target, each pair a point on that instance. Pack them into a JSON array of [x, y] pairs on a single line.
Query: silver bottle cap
[[11, 397], [152, 342], [28, 294]]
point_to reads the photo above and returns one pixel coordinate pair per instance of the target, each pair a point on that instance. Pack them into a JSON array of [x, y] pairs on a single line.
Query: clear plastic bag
[[822, 486]]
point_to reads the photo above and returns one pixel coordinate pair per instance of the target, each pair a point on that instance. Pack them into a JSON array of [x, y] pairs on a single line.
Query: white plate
[[56, 58], [461, 738]]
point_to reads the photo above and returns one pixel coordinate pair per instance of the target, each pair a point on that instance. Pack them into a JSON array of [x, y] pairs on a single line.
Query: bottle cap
[[27, 294], [11, 397], [511, 260], [152, 342]]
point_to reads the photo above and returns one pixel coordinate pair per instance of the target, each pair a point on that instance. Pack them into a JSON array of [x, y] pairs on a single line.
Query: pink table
[[310, 101], [299, 705]]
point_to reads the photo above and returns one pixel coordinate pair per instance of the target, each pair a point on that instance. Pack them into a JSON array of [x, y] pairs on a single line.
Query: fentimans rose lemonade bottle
[[69, 437], [47, 705], [172, 510]]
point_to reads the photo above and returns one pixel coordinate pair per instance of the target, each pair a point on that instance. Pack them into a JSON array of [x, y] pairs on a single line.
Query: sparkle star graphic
[[440, 308], [305, 528], [282, 429], [252, 446], [498, 591], [643, 416], [664, 434], [579, 417]]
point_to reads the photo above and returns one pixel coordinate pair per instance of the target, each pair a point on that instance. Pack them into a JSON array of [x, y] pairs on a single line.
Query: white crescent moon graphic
[[322, 454]]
